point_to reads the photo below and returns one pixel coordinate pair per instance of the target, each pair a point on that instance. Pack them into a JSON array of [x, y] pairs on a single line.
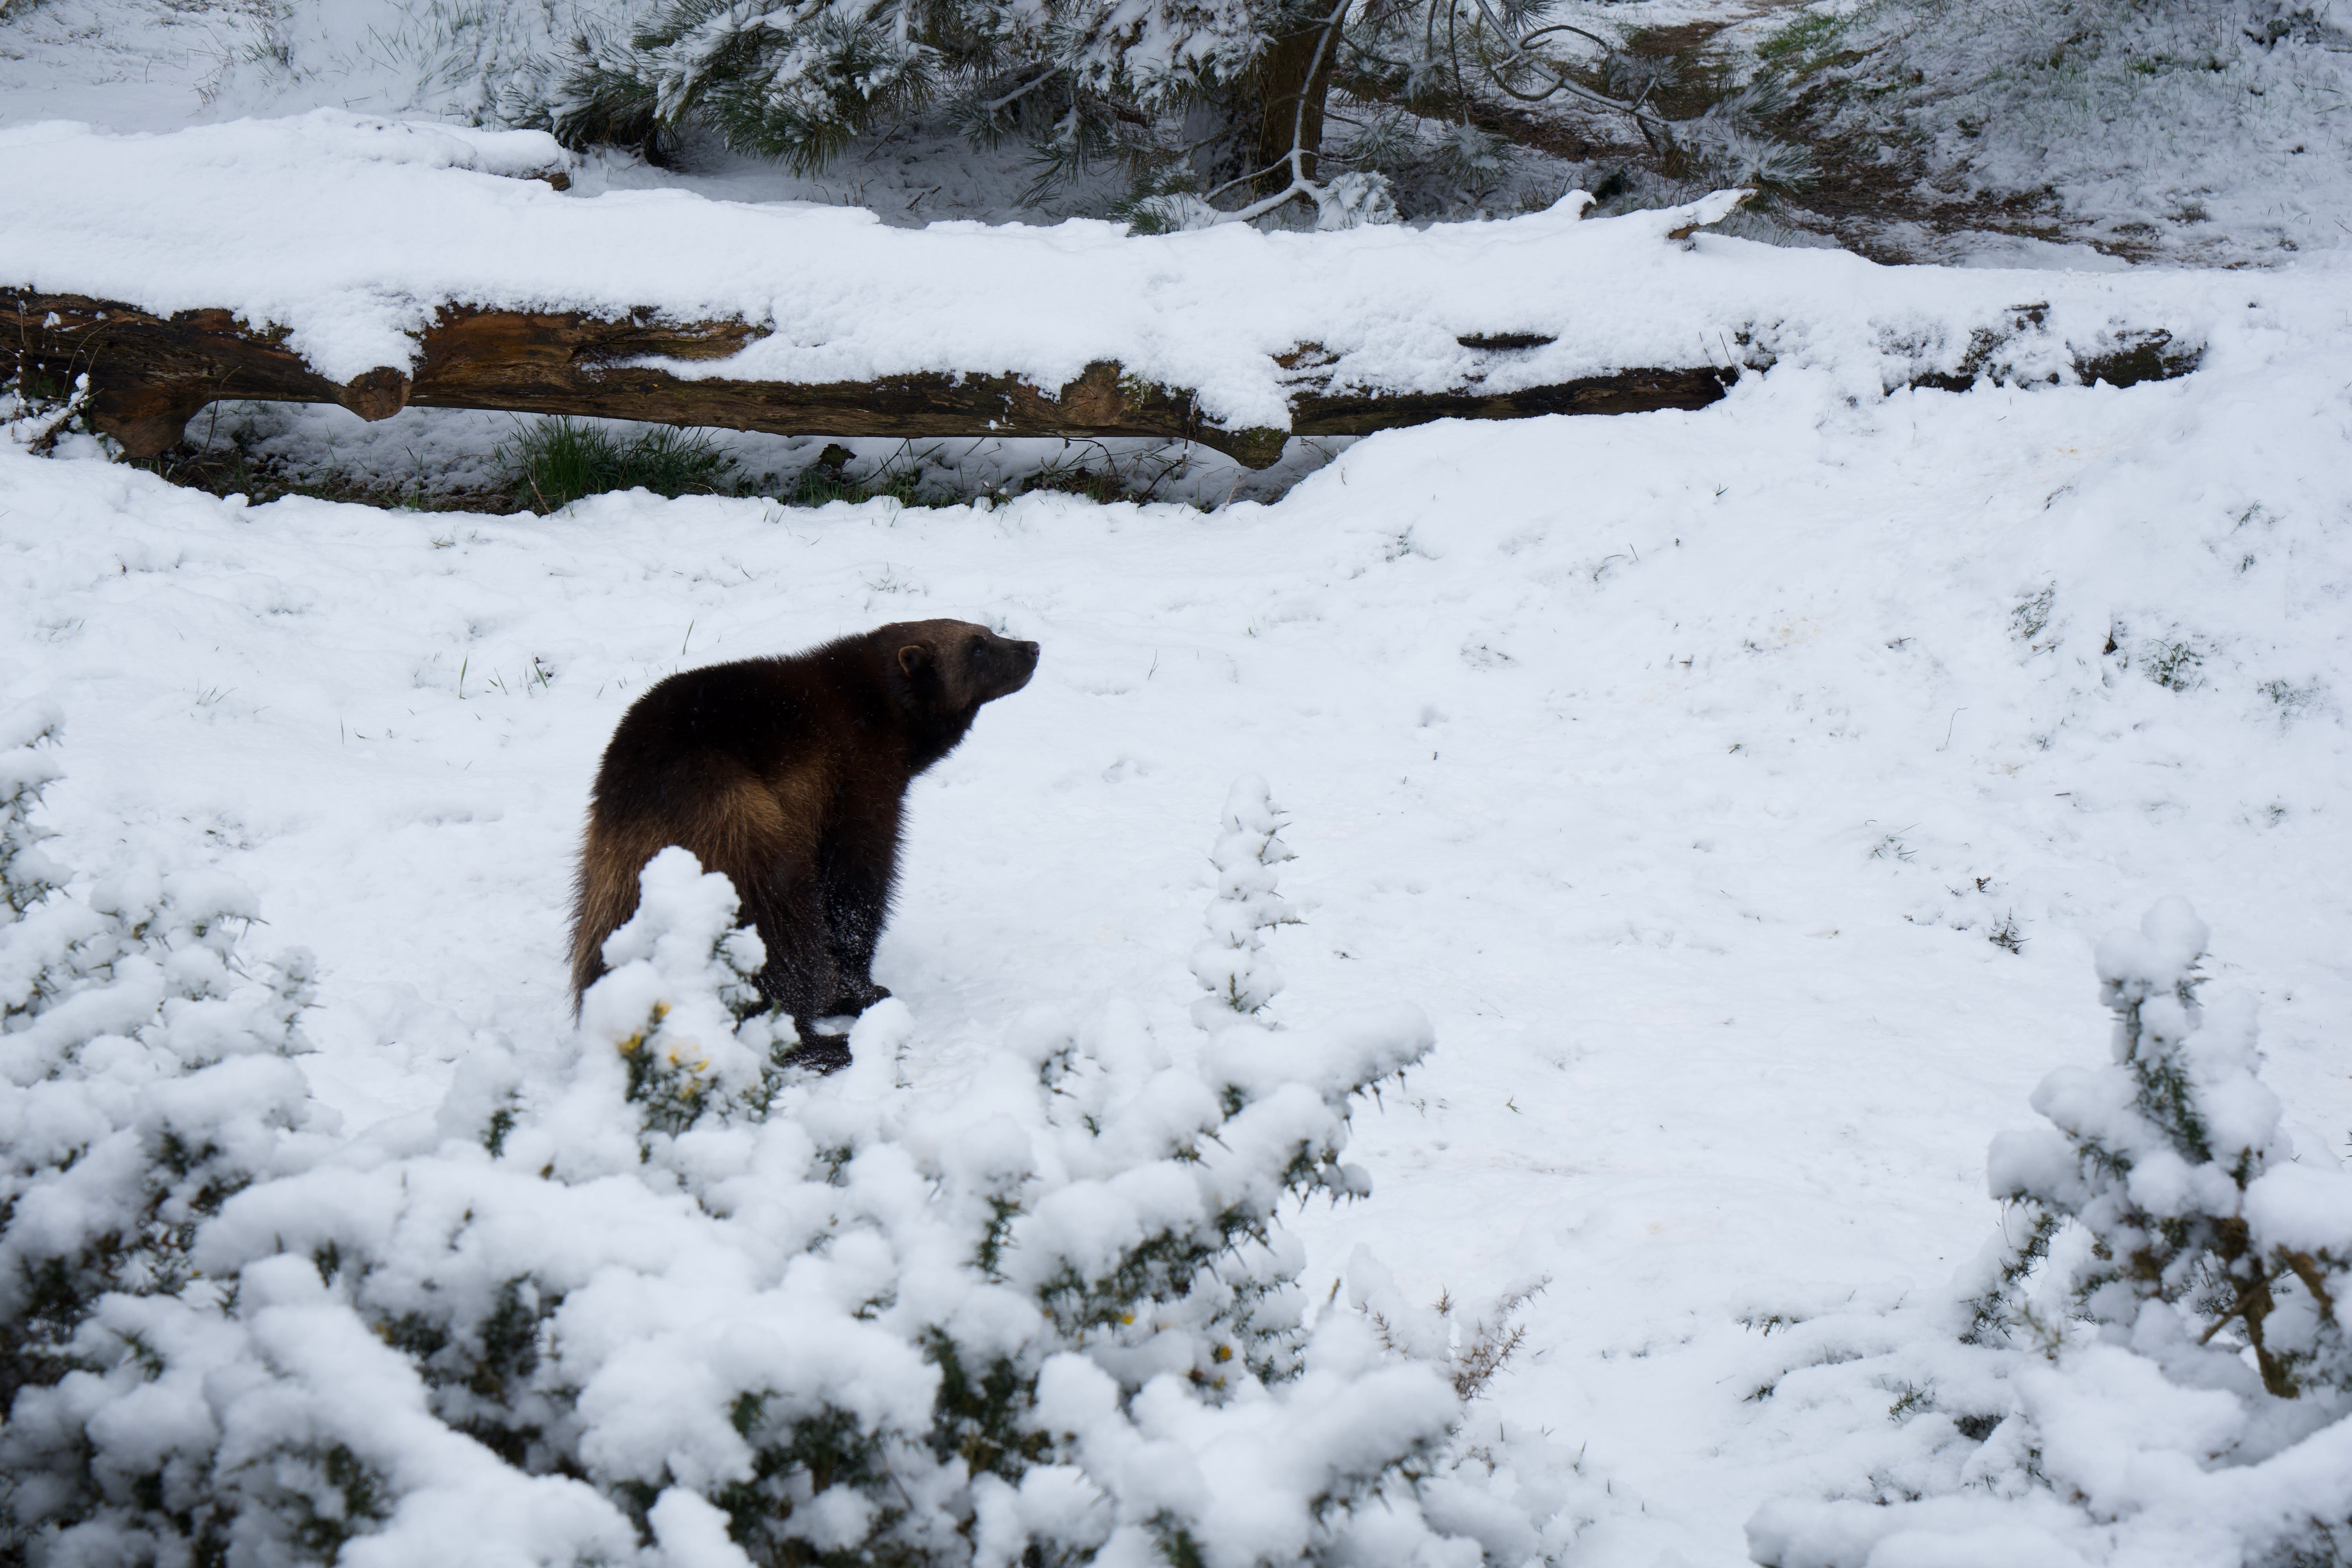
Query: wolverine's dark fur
[[787, 775]]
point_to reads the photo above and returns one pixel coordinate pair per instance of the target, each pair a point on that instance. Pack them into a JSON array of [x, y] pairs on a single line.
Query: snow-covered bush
[[145, 1081], [2158, 1349], [650, 1295]]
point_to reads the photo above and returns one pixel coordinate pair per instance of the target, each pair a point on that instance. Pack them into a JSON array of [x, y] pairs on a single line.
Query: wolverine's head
[[953, 667]]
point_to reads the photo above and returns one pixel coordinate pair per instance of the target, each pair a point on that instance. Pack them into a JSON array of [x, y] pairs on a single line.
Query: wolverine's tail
[[603, 897]]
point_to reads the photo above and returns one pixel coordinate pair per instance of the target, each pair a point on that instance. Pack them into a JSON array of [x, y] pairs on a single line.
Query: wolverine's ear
[[913, 657]]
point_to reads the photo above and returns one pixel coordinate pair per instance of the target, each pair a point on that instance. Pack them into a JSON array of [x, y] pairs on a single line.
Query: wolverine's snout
[[1003, 666]]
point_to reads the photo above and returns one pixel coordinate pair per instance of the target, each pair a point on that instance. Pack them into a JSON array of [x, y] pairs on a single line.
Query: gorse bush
[[2172, 1169], [146, 1084], [658, 1297]]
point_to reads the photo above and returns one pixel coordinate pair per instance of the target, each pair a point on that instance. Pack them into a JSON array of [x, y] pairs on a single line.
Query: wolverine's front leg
[[800, 975], [858, 868]]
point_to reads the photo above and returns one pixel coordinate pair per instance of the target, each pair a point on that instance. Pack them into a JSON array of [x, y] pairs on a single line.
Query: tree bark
[[1293, 83]]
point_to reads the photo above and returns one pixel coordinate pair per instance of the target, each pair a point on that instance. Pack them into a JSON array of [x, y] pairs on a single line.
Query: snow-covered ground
[[1683, 766], [2211, 134]]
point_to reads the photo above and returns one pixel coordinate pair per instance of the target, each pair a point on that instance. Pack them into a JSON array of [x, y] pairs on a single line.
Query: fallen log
[[150, 374], [444, 266]]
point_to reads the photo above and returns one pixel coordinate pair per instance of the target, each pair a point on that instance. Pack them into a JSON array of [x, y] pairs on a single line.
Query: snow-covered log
[[375, 264], [150, 374]]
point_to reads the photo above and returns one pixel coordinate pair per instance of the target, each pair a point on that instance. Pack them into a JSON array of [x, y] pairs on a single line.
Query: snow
[[1679, 766]]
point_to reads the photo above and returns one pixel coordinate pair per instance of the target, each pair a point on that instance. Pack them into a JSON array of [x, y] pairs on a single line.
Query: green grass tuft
[[1805, 42], [555, 462]]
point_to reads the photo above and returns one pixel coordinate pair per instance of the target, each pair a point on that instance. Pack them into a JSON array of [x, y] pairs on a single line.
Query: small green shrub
[[2173, 665]]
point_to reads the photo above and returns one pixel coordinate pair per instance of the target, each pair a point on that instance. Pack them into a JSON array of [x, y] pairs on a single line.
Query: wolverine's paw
[[852, 998], [820, 1053]]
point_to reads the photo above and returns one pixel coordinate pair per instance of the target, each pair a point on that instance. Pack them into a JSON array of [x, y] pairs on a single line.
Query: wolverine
[[790, 775]]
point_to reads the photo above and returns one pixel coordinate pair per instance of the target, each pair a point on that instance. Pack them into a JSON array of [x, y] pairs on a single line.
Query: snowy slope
[[2210, 134], [1681, 767]]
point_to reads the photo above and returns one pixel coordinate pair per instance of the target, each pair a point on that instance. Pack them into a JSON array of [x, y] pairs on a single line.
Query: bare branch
[[1519, 52]]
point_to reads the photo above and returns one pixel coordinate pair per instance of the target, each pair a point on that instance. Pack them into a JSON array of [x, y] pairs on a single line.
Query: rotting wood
[[148, 375]]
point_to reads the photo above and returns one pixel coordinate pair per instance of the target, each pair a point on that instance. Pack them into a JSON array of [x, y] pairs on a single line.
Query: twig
[[2260, 1285]]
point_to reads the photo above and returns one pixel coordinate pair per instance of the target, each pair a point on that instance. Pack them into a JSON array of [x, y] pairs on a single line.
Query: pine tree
[[1083, 83]]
